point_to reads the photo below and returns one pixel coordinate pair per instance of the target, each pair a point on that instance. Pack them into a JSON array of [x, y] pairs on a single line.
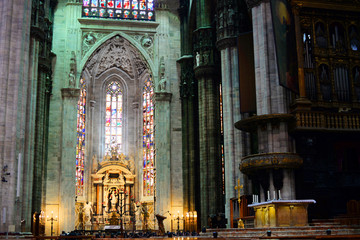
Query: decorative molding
[[255, 3], [226, 43], [205, 71], [163, 96], [253, 163], [251, 124], [70, 93], [187, 78], [343, 5]]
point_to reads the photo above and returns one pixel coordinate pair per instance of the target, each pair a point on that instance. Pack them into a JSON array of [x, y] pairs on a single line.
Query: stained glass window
[[148, 139], [113, 117], [80, 146], [119, 9]]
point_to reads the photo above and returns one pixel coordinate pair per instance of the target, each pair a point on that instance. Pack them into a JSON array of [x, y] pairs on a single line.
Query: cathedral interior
[[178, 115]]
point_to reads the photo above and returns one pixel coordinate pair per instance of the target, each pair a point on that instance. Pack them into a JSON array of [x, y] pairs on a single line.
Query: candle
[[274, 195], [279, 195], [253, 198], [268, 195]]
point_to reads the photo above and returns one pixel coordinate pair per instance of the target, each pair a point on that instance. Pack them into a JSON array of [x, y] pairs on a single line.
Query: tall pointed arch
[[148, 138], [113, 117], [80, 146]]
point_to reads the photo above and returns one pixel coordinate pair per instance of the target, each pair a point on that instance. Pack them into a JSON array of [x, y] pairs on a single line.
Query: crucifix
[[238, 187]]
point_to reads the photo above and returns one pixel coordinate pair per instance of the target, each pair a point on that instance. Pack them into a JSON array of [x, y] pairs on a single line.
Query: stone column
[[163, 146], [230, 25], [188, 94], [270, 96], [14, 81], [208, 77], [70, 98]]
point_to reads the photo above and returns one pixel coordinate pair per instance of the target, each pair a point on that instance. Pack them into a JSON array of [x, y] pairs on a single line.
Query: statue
[[162, 81], [71, 79], [94, 163], [162, 84], [146, 41], [197, 59], [89, 38], [72, 72], [87, 212]]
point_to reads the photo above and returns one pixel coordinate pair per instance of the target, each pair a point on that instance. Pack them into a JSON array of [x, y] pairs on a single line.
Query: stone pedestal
[[88, 226], [281, 213]]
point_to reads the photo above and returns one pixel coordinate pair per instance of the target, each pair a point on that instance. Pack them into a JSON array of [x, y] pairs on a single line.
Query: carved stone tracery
[[117, 52]]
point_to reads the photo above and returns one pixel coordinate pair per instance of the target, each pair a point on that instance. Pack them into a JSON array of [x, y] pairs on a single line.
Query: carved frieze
[[119, 53]]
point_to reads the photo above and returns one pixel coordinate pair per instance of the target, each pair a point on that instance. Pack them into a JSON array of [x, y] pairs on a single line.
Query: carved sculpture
[[146, 41], [162, 81], [87, 212], [72, 73]]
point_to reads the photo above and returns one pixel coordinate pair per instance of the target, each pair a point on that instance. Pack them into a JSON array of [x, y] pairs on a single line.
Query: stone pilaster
[[163, 154], [70, 98]]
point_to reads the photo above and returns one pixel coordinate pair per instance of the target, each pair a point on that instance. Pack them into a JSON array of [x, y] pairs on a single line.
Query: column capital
[[254, 3], [226, 43], [205, 71], [70, 92]]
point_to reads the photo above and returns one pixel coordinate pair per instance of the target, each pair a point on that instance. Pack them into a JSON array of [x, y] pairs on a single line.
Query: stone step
[[286, 231]]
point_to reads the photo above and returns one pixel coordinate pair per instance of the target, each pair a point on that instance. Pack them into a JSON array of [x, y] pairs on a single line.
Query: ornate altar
[[113, 181], [281, 213]]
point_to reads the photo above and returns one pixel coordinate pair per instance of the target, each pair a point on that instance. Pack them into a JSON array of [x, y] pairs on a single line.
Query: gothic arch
[[135, 46]]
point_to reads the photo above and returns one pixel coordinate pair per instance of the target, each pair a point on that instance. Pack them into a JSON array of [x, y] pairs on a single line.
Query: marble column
[[210, 167], [163, 154], [271, 98], [188, 94], [14, 82], [70, 98]]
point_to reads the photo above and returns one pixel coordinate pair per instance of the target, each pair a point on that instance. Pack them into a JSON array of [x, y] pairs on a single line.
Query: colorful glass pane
[[142, 4], [126, 4], [110, 4], [118, 3], [113, 117], [148, 140], [135, 4], [80, 145], [94, 3], [119, 9]]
